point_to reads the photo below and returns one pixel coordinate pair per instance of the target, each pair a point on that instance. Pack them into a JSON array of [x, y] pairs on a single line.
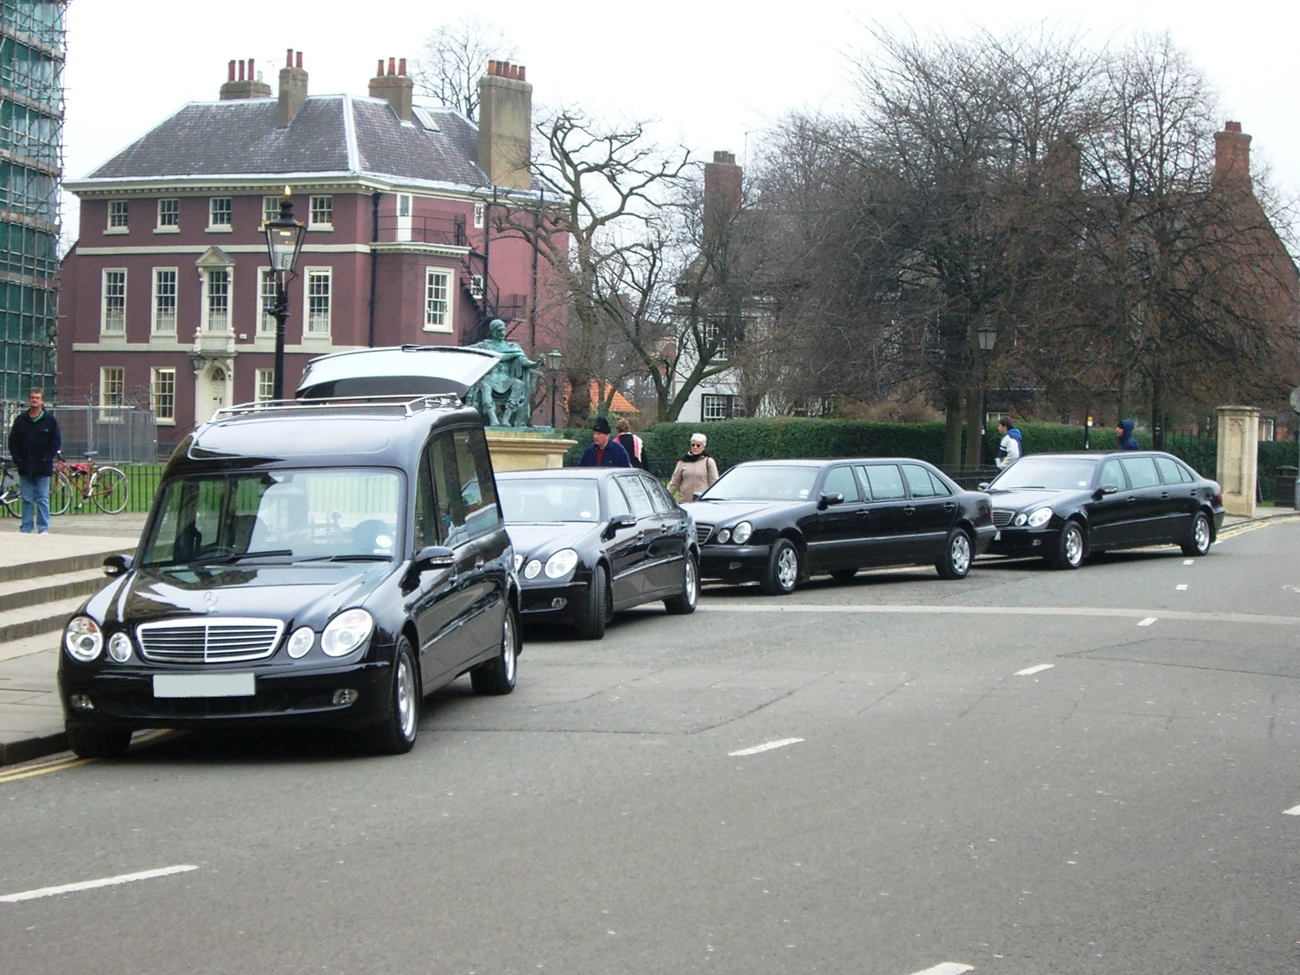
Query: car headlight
[[346, 632], [83, 639], [531, 569], [119, 647], [1020, 519], [740, 534], [561, 563], [724, 536], [1040, 517], [301, 641]]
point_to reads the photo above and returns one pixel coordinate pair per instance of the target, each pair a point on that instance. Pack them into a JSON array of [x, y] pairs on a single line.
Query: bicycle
[[107, 487], [11, 496]]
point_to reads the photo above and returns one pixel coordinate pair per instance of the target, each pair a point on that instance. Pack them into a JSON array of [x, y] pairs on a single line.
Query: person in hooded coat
[[1124, 432], [1010, 449], [695, 471]]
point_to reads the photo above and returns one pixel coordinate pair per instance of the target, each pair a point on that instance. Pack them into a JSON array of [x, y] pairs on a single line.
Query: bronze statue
[[504, 396]]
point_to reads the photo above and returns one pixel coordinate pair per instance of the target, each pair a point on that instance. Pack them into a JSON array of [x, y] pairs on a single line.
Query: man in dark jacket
[[602, 451], [1124, 432], [34, 441]]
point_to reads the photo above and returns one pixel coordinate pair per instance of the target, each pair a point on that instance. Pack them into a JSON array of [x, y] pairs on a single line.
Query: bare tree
[[454, 57]]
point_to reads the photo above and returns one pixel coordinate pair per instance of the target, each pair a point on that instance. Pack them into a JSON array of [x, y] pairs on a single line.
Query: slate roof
[[330, 135]]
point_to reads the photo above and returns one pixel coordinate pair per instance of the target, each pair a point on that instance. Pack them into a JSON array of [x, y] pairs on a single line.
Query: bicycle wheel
[[108, 488], [12, 498], [61, 495]]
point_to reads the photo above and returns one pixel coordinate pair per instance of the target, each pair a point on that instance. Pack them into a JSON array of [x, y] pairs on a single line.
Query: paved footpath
[[31, 719]]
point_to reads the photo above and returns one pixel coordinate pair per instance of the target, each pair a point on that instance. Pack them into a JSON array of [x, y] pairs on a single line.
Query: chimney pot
[[251, 75], [1231, 126], [401, 67], [392, 66], [243, 83], [242, 66], [293, 90], [230, 72], [300, 59], [521, 73], [492, 67], [288, 57]]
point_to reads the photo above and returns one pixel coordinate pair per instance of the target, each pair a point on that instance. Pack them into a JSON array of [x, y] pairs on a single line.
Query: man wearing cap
[[602, 451]]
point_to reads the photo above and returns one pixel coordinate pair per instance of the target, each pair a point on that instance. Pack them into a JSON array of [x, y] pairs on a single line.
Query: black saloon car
[[778, 522], [324, 563], [1065, 507], [591, 541]]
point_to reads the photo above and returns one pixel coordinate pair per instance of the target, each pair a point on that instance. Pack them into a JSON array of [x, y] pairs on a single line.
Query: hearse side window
[[478, 492], [941, 490], [428, 524], [446, 486], [637, 496], [662, 502], [1141, 471], [839, 480], [1112, 473], [1187, 476], [918, 480], [886, 482], [1168, 468]]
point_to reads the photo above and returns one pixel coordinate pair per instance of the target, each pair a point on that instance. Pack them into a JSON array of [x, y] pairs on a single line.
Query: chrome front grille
[[209, 641], [1002, 517], [702, 532]]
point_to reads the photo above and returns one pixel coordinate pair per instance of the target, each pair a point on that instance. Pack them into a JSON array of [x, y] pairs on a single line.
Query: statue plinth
[[527, 449]]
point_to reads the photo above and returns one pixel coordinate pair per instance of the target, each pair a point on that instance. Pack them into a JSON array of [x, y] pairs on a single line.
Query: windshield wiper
[[357, 557], [233, 557]]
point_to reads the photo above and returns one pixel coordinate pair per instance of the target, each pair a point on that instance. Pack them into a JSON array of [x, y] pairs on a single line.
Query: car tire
[[957, 555], [497, 676], [782, 574], [98, 742], [1200, 537], [1070, 547], [396, 734], [683, 604], [592, 626]]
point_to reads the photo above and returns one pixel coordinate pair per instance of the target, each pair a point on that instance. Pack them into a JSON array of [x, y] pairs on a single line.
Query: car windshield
[[1047, 473], [294, 515], [548, 500], [763, 482]]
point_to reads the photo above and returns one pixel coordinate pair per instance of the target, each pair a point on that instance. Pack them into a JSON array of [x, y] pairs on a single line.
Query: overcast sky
[[714, 74]]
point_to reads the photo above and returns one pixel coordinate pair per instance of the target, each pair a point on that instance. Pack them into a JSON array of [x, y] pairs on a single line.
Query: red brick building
[[167, 294]]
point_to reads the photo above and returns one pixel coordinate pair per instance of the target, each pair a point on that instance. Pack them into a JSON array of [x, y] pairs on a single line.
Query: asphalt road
[[1025, 772]]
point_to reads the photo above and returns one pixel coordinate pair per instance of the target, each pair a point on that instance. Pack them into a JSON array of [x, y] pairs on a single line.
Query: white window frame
[[449, 313], [119, 217], [270, 208], [721, 401], [169, 228], [476, 286], [327, 275], [118, 373], [263, 385], [265, 319], [154, 326], [103, 302], [206, 310], [157, 397], [220, 228], [480, 215], [711, 330], [327, 208]]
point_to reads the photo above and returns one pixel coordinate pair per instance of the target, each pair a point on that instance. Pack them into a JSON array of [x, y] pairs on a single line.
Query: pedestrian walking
[[602, 451], [34, 442], [1010, 449], [1124, 433], [695, 471], [633, 444]]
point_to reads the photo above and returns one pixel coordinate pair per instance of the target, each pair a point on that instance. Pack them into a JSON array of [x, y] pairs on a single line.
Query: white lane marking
[[1293, 811], [1189, 561], [1148, 621], [125, 878], [1181, 588], [1030, 671], [764, 748], [947, 968], [747, 607]]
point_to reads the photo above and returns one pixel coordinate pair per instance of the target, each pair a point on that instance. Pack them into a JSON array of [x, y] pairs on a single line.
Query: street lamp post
[[987, 336], [553, 360], [284, 236]]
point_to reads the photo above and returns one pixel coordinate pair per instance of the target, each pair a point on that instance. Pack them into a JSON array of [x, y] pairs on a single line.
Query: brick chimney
[[293, 89], [722, 182], [394, 87], [247, 85], [1232, 156], [505, 125]]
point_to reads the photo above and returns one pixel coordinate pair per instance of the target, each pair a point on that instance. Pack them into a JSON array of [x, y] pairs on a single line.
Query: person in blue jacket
[[602, 451], [1124, 431], [34, 442]]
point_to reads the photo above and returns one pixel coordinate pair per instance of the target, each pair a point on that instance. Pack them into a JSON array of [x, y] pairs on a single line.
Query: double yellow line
[[31, 769]]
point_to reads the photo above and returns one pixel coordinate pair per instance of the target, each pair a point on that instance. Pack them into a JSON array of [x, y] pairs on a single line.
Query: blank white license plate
[[204, 685]]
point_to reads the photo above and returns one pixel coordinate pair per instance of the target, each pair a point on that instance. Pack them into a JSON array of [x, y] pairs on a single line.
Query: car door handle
[[478, 562], [1164, 495], [640, 536], [1129, 500], [949, 506], [909, 510], [863, 512]]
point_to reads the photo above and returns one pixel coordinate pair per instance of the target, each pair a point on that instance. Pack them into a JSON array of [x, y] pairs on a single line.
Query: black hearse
[[328, 561]]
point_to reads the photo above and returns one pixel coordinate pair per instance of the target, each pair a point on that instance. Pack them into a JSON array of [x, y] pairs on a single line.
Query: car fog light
[[1020, 519], [301, 641], [531, 569], [345, 695], [724, 536], [558, 602], [82, 702], [119, 647]]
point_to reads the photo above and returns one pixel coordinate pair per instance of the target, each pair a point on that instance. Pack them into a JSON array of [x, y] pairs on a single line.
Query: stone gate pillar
[[1238, 458]]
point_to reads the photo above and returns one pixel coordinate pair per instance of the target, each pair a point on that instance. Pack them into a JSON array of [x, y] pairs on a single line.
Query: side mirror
[[697, 495], [116, 565], [1106, 489], [826, 500], [983, 485], [434, 557], [617, 522]]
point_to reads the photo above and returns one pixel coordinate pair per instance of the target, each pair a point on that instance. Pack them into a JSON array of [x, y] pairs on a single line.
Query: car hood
[[1026, 499], [721, 512], [296, 594], [539, 541]]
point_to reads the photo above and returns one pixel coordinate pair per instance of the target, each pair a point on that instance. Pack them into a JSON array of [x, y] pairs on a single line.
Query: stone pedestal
[[1238, 458], [526, 450]]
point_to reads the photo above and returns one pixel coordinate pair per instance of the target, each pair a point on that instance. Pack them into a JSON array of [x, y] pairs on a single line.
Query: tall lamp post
[[284, 236], [987, 335], [553, 360]]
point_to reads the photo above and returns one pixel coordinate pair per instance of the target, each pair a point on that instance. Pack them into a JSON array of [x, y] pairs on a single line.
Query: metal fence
[[120, 434]]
